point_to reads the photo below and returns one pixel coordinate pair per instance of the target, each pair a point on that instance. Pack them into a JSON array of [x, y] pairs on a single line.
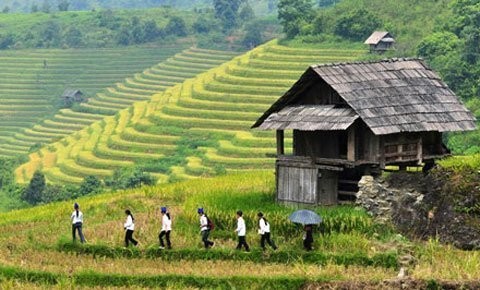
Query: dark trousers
[[205, 240], [129, 238], [78, 227], [266, 238], [242, 242], [165, 234], [307, 243]]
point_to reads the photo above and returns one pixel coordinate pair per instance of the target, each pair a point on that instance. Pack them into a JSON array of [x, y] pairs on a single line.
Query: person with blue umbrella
[[308, 219]]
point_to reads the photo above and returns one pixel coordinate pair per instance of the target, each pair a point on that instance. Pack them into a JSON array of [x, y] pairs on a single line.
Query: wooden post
[[382, 152], [280, 143], [420, 151], [351, 144]]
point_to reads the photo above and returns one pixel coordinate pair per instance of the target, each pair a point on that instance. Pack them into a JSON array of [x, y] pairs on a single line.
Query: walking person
[[129, 227], [241, 232], [77, 223], [205, 227], [264, 231], [166, 228], [308, 238]]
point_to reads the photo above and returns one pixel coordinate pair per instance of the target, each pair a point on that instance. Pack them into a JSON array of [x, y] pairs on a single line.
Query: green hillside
[[137, 87], [350, 249], [32, 81], [198, 128]]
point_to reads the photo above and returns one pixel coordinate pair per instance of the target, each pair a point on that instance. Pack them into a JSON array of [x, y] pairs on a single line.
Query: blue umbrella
[[305, 217]]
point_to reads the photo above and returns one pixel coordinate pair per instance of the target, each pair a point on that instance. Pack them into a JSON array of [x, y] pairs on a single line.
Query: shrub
[[129, 178], [90, 185], [357, 24]]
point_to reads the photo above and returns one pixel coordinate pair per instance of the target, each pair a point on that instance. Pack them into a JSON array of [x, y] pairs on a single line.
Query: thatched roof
[[71, 93], [390, 96], [378, 36], [310, 118]]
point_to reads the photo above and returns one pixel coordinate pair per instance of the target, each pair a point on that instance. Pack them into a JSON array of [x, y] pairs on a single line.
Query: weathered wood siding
[[328, 187], [297, 185], [322, 144]]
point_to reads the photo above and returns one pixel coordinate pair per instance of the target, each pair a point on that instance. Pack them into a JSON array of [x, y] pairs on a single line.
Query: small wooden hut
[[349, 119], [71, 96], [380, 41]]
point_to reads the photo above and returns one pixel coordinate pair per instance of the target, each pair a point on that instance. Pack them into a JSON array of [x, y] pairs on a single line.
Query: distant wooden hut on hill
[[351, 119], [71, 96], [380, 41]]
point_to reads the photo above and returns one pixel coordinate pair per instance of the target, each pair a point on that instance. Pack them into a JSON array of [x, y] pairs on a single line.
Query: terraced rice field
[[205, 122], [31, 82]]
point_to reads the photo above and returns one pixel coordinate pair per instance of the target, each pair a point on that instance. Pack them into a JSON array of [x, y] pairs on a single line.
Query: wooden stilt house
[[349, 119], [380, 41]]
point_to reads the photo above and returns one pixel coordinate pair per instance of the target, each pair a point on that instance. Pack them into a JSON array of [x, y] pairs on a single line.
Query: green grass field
[[204, 123], [349, 246]]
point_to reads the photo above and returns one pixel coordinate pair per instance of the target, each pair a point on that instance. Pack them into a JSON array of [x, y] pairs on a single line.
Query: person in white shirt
[[241, 232], [264, 231], [129, 227], [166, 228], [77, 223], [205, 229]]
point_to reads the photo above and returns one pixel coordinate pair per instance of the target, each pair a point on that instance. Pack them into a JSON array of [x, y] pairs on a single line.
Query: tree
[[150, 30], [252, 37], [326, 3], [357, 24], [437, 44], [33, 193], [80, 5], [6, 9], [293, 14], [46, 6], [124, 37], [50, 34], [246, 13], [271, 5], [227, 12], [176, 26], [7, 41], [90, 185], [203, 25], [73, 37], [34, 8], [129, 178], [63, 5]]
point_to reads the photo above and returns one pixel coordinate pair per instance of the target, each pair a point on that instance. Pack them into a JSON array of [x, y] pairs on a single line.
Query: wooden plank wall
[[297, 184]]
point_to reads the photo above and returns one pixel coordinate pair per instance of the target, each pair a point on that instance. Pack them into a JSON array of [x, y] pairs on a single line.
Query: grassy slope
[[193, 129], [15, 22], [30, 237]]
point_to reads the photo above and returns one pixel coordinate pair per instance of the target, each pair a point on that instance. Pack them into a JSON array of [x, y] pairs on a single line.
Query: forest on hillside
[[77, 5]]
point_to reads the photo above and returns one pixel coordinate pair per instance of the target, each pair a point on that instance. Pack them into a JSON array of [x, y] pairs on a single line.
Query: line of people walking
[[206, 226]]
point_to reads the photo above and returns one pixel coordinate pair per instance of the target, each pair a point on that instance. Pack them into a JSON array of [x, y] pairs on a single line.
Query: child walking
[[166, 228], [241, 232], [129, 227], [264, 232], [77, 223], [204, 229]]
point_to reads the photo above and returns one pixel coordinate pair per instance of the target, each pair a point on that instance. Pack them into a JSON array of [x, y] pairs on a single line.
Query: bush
[[357, 24], [90, 185], [129, 178], [33, 193], [176, 26]]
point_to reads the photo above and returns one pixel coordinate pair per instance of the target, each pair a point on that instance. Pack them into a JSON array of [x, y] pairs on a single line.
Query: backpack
[[210, 224]]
